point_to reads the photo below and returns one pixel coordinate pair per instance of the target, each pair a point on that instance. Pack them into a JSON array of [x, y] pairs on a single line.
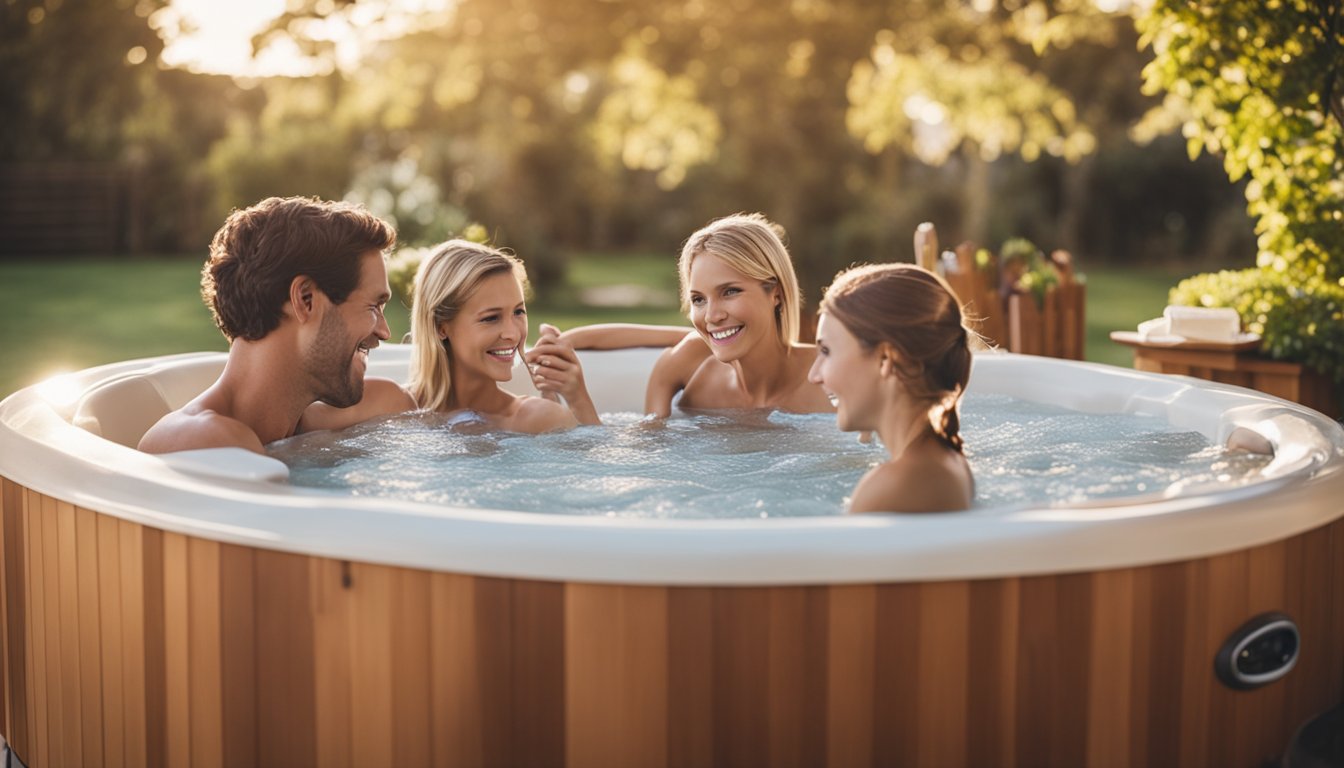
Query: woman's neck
[[765, 373], [903, 423], [478, 393]]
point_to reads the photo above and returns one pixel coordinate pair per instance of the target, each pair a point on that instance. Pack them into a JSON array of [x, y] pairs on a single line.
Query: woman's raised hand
[[556, 372]]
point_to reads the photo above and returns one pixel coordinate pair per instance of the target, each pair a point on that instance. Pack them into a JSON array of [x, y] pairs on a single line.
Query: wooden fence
[[1052, 324], [68, 208]]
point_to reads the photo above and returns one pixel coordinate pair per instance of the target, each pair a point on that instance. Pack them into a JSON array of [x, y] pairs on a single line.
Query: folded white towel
[[1210, 324], [1221, 324]]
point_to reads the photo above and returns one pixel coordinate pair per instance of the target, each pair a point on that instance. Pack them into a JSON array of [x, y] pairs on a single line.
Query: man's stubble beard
[[330, 361]]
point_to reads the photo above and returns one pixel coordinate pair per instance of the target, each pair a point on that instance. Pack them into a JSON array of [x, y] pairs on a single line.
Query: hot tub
[[195, 609]]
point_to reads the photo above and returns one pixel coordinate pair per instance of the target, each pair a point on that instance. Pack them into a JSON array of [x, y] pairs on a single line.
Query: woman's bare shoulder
[[924, 481], [381, 398], [673, 371], [534, 415]]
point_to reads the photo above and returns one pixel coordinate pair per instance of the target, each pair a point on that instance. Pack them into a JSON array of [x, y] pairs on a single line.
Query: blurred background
[[590, 136]]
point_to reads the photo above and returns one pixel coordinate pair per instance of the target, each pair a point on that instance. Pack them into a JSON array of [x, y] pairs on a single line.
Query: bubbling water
[[749, 463]]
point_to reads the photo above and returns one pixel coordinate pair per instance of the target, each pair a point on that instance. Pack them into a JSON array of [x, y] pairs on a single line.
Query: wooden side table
[[1235, 364]]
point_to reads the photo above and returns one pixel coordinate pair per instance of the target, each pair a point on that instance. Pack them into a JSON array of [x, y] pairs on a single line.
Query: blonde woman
[[894, 356], [740, 293], [468, 324]]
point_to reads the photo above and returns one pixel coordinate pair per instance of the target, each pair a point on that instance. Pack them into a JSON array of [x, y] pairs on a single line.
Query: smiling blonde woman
[[468, 326], [740, 293]]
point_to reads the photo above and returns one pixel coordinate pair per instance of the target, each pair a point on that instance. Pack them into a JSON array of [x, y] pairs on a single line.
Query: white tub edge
[[43, 451]]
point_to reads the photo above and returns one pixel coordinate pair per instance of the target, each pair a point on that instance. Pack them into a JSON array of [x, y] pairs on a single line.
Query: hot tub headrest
[[123, 408]]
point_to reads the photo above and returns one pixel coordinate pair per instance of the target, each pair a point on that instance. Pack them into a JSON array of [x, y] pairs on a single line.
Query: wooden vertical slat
[[142, 601], [1163, 652], [538, 659], [411, 702], [17, 620], [176, 650], [155, 647], [457, 679], [1196, 665], [741, 674], [616, 675], [492, 603], [1053, 670], [59, 653], [90, 630], [1295, 684], [796, 689], [1265, 588], [1227, 601], [690, 676], [238, 654], [110, 640], [39, 682], [943, 628], [205, 680], [333, 664], [1321, 691], [371, 632], [6, 671], [1051, 340], [1142, 615], [992, 671], [1334, 586], [896, 699], [286, 719], [850, 672], [1078, 324], [1110, 701], [71, 732]]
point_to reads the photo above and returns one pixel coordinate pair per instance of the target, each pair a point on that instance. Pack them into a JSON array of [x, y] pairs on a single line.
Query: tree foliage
[[1261, 82], [595, 124], [604, 123], [73, 107]]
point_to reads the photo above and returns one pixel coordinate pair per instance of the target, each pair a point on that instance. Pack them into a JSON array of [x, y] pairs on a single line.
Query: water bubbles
[[745, 465]]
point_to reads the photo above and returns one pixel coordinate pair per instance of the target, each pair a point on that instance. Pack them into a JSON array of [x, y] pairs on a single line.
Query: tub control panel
[[1259, 652]]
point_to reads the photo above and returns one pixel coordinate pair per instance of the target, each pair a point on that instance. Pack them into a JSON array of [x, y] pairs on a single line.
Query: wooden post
[[1024, 325], [926, 246]]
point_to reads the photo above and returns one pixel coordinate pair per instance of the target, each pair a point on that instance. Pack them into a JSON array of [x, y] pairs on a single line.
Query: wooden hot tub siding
[[126, 645]]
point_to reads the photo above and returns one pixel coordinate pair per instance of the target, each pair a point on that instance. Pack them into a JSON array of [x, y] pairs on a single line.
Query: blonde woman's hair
[[752, 245], [443, 283]]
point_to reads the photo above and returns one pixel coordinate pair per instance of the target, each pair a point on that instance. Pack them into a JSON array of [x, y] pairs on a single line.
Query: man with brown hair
[[298, 287]]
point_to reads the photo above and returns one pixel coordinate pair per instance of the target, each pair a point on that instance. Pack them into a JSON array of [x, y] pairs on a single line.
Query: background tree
[[1261, 82]]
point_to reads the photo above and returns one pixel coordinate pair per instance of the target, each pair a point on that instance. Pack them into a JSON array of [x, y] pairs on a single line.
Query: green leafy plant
[[1023, 268], [1261, 82], [1302, 321], [402, 265]]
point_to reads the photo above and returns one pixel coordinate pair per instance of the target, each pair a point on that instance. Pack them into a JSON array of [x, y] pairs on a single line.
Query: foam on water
[[747, 464]]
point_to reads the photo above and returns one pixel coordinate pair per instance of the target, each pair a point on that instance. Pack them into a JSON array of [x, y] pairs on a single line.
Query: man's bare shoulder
[[190, 429]]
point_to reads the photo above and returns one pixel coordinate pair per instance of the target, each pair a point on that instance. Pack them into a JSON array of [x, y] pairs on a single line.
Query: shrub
[[402, 265], [1025, 268], [1299, 320]]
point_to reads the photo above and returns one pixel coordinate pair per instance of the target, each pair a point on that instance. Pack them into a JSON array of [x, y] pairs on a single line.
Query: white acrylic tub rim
[[223, 495]]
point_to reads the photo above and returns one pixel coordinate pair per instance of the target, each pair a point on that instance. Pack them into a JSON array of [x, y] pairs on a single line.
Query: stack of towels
[[1205, 324]]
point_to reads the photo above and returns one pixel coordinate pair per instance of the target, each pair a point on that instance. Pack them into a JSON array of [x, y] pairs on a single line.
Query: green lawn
[[1118, 299], [72, 314]]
